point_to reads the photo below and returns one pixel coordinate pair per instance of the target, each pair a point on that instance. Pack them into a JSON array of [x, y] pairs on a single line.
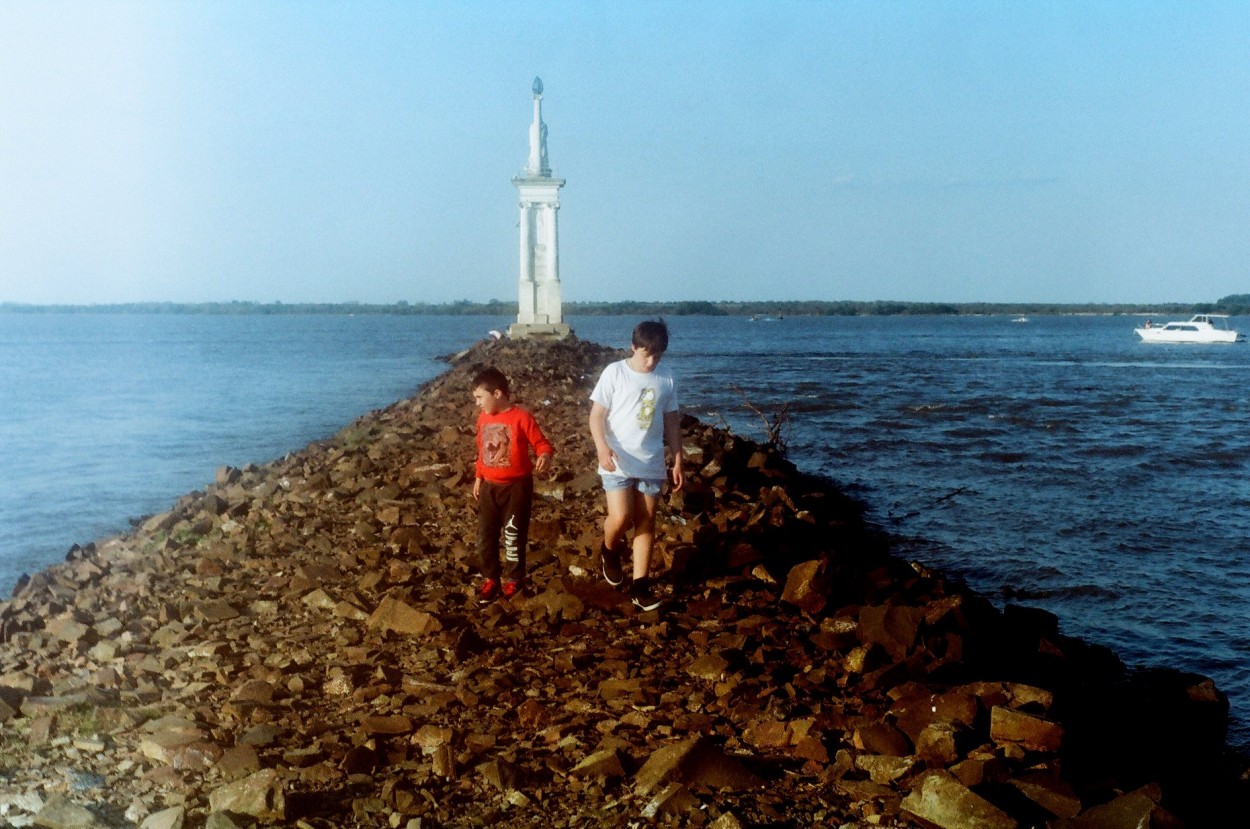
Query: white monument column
[[528, 295], [538, 311]]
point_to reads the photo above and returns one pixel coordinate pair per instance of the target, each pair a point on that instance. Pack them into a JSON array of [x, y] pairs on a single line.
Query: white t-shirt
[[636, 402]]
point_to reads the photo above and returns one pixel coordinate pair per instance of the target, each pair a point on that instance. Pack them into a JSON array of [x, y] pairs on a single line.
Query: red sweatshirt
[[503, 445]]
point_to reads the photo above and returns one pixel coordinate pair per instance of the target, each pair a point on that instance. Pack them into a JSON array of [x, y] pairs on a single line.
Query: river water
[[1056, 463]]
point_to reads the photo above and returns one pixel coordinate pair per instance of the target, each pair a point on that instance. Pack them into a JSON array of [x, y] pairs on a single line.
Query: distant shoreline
[[1232, 305]]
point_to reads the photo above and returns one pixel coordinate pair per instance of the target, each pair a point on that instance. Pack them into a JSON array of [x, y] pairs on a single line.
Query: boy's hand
[[477, 487], [679, 474], [542, 463], [607, 459]]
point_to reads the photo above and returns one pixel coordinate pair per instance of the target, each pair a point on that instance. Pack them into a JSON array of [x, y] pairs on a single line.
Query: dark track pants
[[504, 509]]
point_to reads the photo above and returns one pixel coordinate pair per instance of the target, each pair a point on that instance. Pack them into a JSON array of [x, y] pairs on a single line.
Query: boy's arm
[[542, 446], [672, 436], [599, 432], [477, 463]]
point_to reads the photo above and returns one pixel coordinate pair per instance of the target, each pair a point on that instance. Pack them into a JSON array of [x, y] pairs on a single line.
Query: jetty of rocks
[[299, 645]]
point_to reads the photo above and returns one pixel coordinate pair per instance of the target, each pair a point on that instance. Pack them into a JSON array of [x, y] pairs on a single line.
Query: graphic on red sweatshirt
[[496, 445]]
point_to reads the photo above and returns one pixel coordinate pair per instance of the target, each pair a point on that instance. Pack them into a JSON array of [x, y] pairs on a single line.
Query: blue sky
[[362, 151]]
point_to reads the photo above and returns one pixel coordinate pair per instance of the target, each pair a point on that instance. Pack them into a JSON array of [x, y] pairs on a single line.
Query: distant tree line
[[1235, 304]]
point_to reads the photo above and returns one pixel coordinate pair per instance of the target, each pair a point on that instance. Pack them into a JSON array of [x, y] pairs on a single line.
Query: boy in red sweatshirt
[[504, 484]]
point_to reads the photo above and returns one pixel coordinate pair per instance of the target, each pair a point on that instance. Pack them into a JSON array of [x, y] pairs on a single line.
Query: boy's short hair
[[493, 380], [651, 335]]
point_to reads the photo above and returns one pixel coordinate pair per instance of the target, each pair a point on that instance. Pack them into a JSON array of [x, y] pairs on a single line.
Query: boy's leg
[[516, 526], [620, 504], [644, 507], [641, 592], [488, 526], [620, 509]]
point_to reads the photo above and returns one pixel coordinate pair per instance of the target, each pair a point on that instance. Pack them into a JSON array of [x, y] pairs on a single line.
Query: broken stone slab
[[171, 818], [400, 617], [164, 746], [238, 762], [260, 795], [196, 757], [673, 798], [387, 725], [1129, 811], [605, 763], [319, 599], [884, 769], [1024, 730], [768, 735], [62, 813], [432, 738], [613, 689], [70, 630], [919, 707], [1049, 791], [893, 627], [710, 666], [938, 745], [942, 800], [695, 762], [807, 587], [881, 738], [254, 690]]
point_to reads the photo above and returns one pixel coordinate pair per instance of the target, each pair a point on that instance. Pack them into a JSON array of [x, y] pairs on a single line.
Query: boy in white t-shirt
[[633, 415]]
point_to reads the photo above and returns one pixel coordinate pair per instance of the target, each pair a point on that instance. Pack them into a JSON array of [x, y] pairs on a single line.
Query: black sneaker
[[611, 560], [643, 595]]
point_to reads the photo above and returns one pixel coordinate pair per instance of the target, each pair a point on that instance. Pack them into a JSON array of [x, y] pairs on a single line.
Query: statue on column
[[538, 165]]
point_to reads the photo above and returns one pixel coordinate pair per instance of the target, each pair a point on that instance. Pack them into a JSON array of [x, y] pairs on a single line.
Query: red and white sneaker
[[511, 587], [488, 592]]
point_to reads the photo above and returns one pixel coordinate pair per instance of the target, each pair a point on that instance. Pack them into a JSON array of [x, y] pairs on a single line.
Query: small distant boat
[[1021, 319], [1201, 328]]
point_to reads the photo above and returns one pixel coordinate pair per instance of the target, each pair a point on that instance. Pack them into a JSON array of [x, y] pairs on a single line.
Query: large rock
[[260, 795], [806, 586], [1129, 811], [171, 818], [401, 617], [1025, 730], [694, 762], [943, 801], [62, 813]]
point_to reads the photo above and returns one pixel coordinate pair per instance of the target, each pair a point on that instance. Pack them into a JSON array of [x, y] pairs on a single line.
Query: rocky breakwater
[[298, 645]]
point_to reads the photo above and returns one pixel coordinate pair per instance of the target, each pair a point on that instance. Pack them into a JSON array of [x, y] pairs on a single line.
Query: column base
[[539, 331]]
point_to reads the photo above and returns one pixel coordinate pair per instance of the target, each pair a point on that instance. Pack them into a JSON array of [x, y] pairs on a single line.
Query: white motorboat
[[1201, 328]]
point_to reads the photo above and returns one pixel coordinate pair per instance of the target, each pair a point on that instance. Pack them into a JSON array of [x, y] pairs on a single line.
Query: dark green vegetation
[[1235, 304]]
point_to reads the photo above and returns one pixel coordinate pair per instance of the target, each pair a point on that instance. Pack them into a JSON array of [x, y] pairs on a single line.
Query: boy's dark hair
[[493, 380], [651, 335]]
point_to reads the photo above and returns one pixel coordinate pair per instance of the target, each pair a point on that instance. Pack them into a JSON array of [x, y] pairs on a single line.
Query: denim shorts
[[613, 482]]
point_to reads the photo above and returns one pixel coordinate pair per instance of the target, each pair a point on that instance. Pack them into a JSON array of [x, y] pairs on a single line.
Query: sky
[[314, 151]]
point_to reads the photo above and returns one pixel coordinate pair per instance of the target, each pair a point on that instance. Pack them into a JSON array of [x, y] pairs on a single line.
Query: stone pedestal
[[539, 331]]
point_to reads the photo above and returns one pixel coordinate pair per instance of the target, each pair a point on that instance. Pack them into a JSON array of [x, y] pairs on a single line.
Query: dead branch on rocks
[[774, 423]]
